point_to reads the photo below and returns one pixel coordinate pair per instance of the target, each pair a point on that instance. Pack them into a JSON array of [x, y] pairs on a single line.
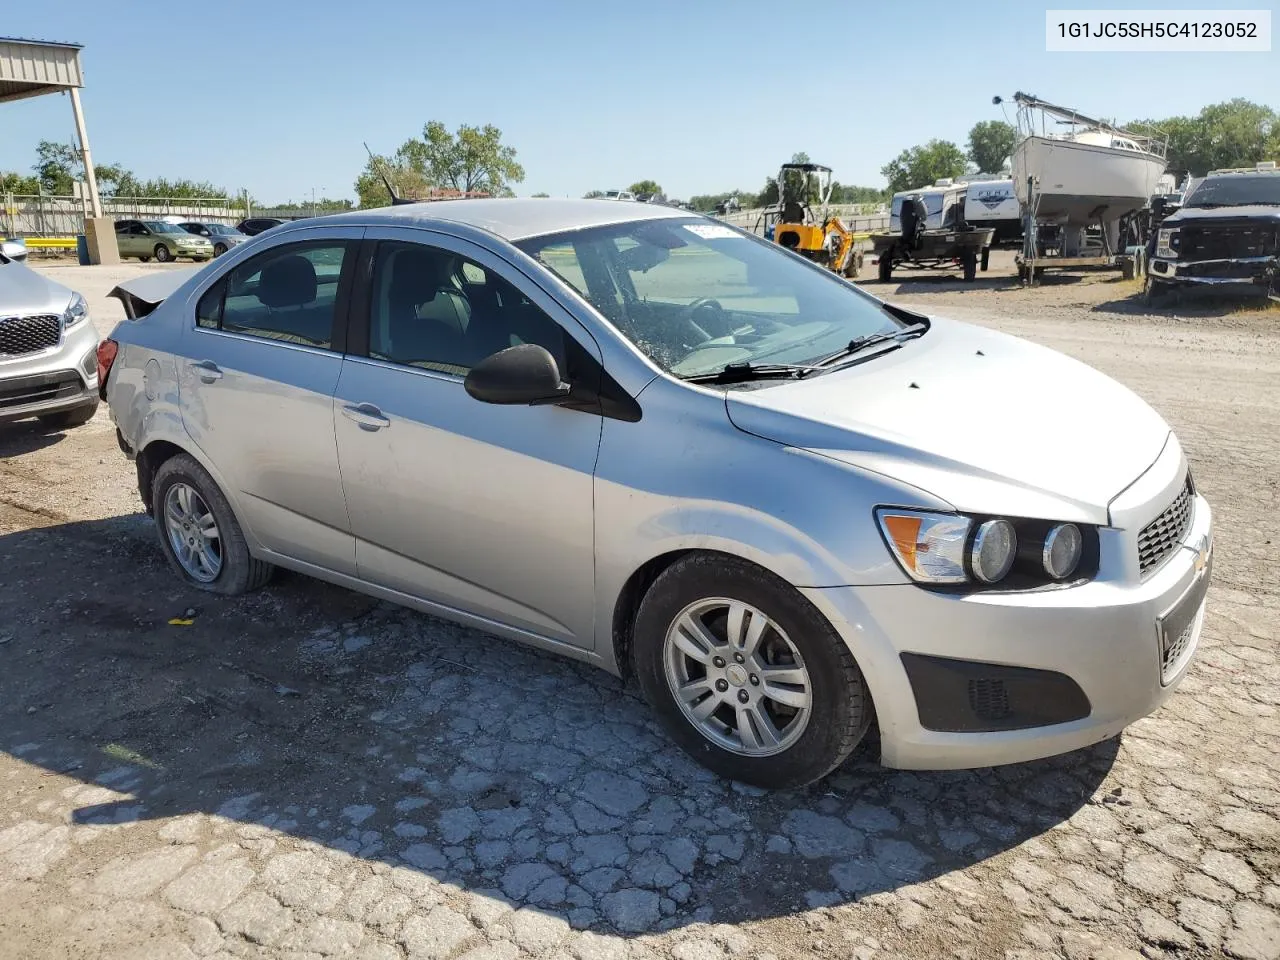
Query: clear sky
[[701, 95]]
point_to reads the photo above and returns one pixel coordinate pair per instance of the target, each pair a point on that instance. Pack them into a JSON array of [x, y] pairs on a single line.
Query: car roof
[[510, 218]]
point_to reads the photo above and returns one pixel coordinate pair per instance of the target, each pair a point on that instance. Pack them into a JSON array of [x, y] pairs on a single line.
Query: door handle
[[367, 415], [206, 370]]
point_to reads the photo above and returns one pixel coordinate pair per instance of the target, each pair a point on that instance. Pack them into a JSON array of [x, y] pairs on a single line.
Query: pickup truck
[[1226, 234]]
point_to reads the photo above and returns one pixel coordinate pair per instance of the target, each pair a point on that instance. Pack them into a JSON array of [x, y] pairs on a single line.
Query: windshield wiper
[[743, 372], [859, 344]]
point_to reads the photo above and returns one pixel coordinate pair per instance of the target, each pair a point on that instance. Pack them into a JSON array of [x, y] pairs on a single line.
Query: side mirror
[[12, 250], [525, 374]]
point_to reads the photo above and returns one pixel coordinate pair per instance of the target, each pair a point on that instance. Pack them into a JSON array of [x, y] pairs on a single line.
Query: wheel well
[[148, 462], [628, 605]]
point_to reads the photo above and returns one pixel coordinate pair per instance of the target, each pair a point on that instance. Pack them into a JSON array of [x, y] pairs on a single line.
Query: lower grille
[[1171, 658], [21, 391], [22, 335], [988, 698], [1162, 535]]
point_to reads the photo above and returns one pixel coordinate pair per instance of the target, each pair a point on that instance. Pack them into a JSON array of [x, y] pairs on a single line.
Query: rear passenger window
[[288, 294]]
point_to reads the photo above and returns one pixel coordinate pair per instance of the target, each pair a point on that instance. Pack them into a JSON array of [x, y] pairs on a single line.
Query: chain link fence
[[25, 215]]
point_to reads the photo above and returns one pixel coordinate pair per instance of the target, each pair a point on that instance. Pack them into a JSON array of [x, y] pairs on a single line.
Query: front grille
[[22, 335], [40, 388], [1162, 535], [1227, 241]]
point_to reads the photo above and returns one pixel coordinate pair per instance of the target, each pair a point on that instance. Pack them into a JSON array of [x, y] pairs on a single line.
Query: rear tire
[[237, 571], [986, 258], [66, 419], [144, 259], [219, 249], [886, 267], [969, 262], [805, 739], [162, 253]]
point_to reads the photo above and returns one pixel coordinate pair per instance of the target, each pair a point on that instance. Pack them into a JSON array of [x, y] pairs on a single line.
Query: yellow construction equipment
[[794, 224]]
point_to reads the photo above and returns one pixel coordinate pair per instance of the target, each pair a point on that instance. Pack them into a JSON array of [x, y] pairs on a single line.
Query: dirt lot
[[307, 773]]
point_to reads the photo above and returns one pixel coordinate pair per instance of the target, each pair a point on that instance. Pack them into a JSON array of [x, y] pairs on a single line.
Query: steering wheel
[[714, 315]]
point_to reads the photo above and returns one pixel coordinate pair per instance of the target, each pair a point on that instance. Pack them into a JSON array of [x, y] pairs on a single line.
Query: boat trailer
[[1040, 240]]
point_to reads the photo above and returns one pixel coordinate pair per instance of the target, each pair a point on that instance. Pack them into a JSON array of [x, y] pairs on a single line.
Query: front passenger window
[[289, 294], [439, 311]]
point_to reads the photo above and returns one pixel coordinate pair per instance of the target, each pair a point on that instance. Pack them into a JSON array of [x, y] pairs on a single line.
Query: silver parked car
[[48, 347], [222, 236], [659, 444]]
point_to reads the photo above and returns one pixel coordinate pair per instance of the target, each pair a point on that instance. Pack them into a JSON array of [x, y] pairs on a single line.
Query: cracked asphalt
[[307, 773]]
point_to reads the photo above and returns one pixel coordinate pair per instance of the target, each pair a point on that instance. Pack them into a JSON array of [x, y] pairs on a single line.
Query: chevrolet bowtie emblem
[[1202, 554]]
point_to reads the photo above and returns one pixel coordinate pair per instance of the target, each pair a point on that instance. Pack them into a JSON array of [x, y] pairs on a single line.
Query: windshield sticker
[[713, 231]]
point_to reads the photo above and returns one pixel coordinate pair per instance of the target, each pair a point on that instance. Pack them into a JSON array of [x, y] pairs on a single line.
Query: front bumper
[[63, 377], [1101, 637], [1241, 270]]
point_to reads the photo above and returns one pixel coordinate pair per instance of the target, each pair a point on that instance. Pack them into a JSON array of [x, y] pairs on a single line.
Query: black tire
[[886, 267], [144, 259], [986, 259], [219, 249], [75, 417], [969, 262], [1153, 291], [162, 253], [841, 711], [240, 572]]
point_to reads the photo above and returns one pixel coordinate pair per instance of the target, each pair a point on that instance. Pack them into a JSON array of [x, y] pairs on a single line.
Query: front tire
[[969, 263], [199, 534], [986, 259], [885, 271], [746, 675], [162, 253], [219, 249]]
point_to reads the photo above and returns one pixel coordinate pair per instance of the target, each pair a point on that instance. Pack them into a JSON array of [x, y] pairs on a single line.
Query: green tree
[[593, 195], [990, 144], [922, 165], [14, 182], [642, 187], [539, 195], [58, 165], [1237, 133], [472, 160]]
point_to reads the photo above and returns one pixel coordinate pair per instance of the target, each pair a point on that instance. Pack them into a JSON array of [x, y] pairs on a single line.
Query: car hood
[[987, 422], [1251, 211], [23, 291]]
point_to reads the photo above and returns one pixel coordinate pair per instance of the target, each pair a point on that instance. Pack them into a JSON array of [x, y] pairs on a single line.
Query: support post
[[95, 202]]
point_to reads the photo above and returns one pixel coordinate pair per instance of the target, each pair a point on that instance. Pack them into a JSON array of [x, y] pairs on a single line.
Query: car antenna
[[380, 167]]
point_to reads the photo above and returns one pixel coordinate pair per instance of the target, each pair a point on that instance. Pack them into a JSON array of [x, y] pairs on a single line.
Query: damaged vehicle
[[1226, 234], [664, 446]]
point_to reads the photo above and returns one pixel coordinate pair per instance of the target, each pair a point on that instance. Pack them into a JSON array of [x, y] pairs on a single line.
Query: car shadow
[[395, 738], [1206, 302], [27, 436]]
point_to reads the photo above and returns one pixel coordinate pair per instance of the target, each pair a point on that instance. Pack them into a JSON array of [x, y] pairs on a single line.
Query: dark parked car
[[256, 225], [1227, 233]]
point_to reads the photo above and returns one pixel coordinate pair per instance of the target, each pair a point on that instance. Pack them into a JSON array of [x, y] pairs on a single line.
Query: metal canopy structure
[[32, 68]]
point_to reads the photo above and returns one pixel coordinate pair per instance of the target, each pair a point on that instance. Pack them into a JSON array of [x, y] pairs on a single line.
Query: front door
[[480, 508], [262, 360]]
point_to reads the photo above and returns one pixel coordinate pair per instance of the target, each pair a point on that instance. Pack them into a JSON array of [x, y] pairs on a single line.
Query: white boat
[[1092, 173]]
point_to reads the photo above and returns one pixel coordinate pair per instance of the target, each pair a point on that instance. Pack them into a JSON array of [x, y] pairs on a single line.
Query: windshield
[[1234, 190], [158, 226], [696, 295]]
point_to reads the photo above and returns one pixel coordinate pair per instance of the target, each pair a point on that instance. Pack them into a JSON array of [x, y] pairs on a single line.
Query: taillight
[[107, 351]]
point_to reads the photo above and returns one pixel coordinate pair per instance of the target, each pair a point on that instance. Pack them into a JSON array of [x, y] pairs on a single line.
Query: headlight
[[1167, 243], [995, 546], [941, 549], [76, 311], [1063, 547]]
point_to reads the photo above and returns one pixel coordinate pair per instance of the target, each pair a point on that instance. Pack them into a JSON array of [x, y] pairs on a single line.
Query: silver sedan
[[222, 236], [656, 443]]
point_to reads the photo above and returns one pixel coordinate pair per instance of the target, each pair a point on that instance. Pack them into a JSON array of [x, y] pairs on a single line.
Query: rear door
[[262, 358]]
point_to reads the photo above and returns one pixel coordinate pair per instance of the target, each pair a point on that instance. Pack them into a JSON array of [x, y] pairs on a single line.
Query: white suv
[[48, 347]]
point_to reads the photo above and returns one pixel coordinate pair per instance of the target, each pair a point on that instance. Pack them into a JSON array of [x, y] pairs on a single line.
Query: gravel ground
[[306, 773]]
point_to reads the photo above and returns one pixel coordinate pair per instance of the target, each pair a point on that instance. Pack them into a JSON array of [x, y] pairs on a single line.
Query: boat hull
[[1078, 183]]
